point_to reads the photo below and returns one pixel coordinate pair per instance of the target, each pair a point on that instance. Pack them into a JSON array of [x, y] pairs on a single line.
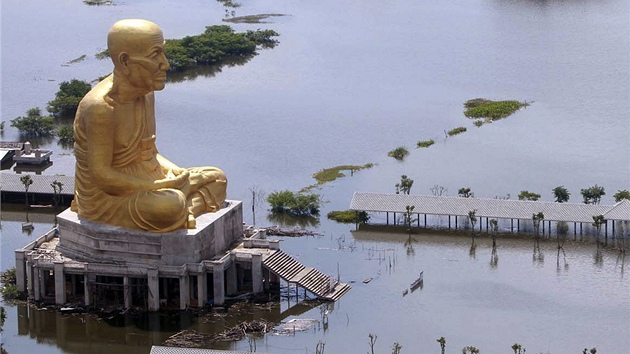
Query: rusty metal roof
[[491, 208]]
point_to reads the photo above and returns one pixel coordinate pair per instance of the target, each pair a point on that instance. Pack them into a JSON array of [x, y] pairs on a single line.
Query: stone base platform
[[95, 242]]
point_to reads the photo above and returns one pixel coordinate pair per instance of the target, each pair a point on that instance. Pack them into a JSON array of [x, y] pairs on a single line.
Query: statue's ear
[[123, 61]]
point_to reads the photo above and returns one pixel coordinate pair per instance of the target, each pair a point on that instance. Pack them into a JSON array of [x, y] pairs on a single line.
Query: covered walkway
[[486, 209]]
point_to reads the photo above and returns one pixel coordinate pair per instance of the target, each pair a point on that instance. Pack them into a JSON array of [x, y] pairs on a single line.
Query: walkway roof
[[491, 208], [10, 182]]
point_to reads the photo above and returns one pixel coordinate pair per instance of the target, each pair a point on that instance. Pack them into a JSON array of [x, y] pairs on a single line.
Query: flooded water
[[367, 77]]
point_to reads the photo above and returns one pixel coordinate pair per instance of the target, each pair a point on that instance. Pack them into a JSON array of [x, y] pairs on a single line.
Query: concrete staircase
[[292, 271]]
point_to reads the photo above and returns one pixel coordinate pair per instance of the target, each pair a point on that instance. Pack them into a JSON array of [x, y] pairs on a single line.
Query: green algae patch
[[481, 108], [330, 174]]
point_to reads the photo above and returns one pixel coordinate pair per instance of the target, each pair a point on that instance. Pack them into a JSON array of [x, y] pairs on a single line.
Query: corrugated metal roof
[[174, 350], [620, 211], [491, 208], [10, 182]]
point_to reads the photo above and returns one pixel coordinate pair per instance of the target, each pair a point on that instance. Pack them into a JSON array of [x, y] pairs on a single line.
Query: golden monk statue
[[121, 179]]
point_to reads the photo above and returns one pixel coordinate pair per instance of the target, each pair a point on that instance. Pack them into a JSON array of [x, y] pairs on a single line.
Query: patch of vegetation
[[425, 143], [480, 108], [251, 18], [399, 153], [97, 2], [34, 124], [478, 123], [9, 288], [77, 60], [330, 174], [527, 195], [104, 54], [229, 3], [68, 97], [216, 44], [65, 134], [621, 195], [297, 204], [348, 216], [456, 131]]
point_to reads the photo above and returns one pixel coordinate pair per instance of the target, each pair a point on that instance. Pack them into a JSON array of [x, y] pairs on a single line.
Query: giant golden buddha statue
[[121, 179]]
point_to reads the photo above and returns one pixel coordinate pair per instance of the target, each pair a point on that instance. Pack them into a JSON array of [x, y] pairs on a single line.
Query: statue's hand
[[180, 181]]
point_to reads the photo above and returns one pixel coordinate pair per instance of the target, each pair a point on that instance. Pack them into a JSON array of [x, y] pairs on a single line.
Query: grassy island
[[425, 143], [456, 131], [330, 174], [481, 108], [348, 216]]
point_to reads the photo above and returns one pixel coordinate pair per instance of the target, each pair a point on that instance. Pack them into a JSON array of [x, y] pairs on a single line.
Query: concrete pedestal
[[90, 241]]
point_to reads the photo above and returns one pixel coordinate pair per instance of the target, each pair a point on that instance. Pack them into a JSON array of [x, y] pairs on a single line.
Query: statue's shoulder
[[97, 103]]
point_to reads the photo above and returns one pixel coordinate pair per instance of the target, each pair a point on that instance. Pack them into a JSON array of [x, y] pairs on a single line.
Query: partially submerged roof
[[491, 208], [175, 350], [10, 182]]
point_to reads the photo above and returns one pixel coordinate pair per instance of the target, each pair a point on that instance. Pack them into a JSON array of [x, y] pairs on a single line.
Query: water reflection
[[205, 70], [285, 220]]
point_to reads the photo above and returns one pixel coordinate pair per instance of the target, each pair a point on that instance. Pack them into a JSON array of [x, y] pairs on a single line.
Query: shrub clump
[[348, 216], [9, 288], [480, 108], [425, 143], [296, 204], [456, 131], [399, 153]]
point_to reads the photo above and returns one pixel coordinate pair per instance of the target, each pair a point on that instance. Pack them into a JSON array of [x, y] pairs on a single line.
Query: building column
[[257, 274], [153, 282], [184, 292], [60, 283], [126, 292], [20, 270], [219, 284], [231, 279], [202, 289], [87, 290], [30, 278]]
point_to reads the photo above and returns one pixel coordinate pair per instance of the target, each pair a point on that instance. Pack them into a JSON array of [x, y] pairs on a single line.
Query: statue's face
[[148, 64]]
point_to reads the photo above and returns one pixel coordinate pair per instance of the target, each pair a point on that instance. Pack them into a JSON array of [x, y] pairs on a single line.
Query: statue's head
[[137, 50]]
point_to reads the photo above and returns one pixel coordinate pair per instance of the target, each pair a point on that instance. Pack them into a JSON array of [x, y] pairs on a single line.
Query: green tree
[[65, 133], [442, 342], [465, 193], [621, 195], [470, 349], [472, 217], [396, 348], [561, 194], [68, 97], [404, 186], [593, 195], [34, 124], [537, 219], [399, 153], [57, 188], [517, 348], [598, 221], [526, 195], [26, 181], [297, 204]]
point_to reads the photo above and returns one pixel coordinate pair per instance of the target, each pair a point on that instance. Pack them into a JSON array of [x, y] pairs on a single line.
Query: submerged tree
[[404, 186], [438, 190], [372, 341], [621, 195], [409, 220], [470, 350], [465, 193], [593, 195], [518, 349], [34, 124], [26, 181], [396, 348], [472, 217], [598, 221], [68, 97], [442, 342], [494, 256], [57, 188], [527, 195], [561, 194]]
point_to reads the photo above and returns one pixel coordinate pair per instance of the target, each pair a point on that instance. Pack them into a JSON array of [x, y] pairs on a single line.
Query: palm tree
[[26, 181], [561, 194]]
